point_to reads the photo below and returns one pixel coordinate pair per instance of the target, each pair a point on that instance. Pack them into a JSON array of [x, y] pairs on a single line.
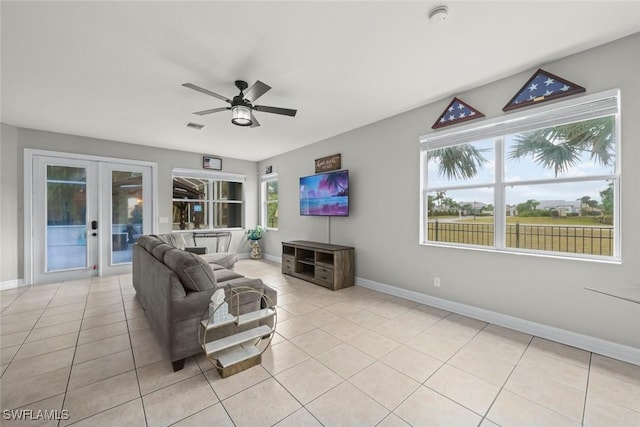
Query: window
[[540, 181], [205, 200], [269, 200]]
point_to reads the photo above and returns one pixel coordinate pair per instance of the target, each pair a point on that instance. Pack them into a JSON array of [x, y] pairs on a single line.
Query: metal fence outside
[[578, 239]]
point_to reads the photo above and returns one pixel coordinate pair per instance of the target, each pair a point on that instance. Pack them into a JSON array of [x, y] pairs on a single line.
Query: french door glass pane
[[126, 214], [66, 217]]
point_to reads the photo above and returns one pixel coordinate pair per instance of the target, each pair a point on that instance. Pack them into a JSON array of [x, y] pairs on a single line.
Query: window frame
[[587, 107], [264, 200], [214, 198]]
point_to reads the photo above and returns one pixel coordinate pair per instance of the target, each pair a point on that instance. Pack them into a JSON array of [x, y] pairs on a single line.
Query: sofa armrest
[[198, 250]]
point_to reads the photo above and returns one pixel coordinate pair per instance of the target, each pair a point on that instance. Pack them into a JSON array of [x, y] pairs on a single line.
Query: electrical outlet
[[436, 282]]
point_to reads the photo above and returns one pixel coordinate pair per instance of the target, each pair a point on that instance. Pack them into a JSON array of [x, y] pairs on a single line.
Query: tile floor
[[354, 357]]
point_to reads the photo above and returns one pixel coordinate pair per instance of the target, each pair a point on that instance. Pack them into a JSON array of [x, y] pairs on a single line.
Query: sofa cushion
[[224, 275], [174, 239], [194, 273], [161, 249], [149, 242]]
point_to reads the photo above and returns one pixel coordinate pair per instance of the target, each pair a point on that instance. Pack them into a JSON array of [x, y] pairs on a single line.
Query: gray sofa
[[174, 287]]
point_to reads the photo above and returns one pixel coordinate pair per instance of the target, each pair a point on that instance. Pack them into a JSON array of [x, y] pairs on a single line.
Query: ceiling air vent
[[192, 125]]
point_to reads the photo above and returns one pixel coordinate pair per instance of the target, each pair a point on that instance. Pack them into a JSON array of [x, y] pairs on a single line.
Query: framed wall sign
[[214, 163], [329, 163]]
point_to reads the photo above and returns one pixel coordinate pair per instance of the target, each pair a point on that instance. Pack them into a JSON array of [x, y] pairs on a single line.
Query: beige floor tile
[[562, 372], [345, 405], [457, 325], [412, 363], [53, 405], [227, 387], [150, 353], [100, 300], [282, 356], [426, 408], [614, 368], [299, 308], [319, 317], [56, 319], [155, 376], [608, 388], [96, 349], [203, 363], [495, 349], [511, 410], [102, 332], [143, 337], [66, 300], [98, 369], [602, 413], [7, 354], [249, 408], [12, 328], [53, 331], [392, 420], [343, 329], [488, 423], [102, 320], [47, 345], [561, 352], [126, 414], [134, 313], [343, 309], [398, 329], [367, 319], [37, 365], [91, 399], [463, 388], [345, 360], [387, 309], [315, 341], [308, 380], [288, 299], [178, 401], [7, 319], [373, 344], [384, 384], [138, 323], [482, 366], [441, 346], [214, 415], [106, 309], [300, 418], [294, 327], [14, 339], [14, 394], [506, 335], [60, 309], [535, 385]]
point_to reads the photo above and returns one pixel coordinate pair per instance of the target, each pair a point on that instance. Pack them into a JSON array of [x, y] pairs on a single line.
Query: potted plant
[[254, 235]]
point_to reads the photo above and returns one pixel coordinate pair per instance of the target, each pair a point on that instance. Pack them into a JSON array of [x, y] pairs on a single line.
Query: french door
[[86, 215]]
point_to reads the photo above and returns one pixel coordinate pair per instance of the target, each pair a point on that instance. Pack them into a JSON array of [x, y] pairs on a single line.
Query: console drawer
[[288, 264], [324, 275]]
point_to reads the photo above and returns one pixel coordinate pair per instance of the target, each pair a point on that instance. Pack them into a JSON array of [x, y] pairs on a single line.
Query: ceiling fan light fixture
[[241, 115]]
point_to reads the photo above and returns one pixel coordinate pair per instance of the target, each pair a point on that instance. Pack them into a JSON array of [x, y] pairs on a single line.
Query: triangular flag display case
[[542, 86], [456, 112]]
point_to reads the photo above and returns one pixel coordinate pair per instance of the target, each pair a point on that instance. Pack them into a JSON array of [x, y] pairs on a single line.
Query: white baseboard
[[273, 258], [585, 342], [10, 284]]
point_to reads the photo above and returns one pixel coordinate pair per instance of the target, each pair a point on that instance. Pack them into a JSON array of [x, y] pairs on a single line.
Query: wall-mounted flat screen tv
[[325, 194]]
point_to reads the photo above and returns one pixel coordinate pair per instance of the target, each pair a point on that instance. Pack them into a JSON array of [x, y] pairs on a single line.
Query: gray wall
[[15, 140], [383, 160]]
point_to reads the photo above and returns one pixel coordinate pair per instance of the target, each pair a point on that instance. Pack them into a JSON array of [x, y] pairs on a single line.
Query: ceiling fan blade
[[275, 110], [254, 122], [207, 92], [256, 91], [213, 110]]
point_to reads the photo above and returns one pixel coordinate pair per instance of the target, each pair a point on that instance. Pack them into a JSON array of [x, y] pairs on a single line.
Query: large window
[[269, 200], [207, 200], [544, 180]]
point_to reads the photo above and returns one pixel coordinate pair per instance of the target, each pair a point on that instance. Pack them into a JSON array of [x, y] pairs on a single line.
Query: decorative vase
[[256, 252]]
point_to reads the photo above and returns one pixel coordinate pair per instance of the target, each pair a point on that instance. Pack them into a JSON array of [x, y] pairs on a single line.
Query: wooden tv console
[[326, 265]]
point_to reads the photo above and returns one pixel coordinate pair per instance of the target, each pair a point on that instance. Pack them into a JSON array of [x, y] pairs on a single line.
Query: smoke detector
[[193, 125], [439, 14]]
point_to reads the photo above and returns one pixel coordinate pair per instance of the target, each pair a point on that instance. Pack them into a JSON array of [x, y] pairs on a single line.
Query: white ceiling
[[114, 70]]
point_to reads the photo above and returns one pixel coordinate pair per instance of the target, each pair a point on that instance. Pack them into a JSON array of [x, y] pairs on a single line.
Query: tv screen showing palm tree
[[325, 194]]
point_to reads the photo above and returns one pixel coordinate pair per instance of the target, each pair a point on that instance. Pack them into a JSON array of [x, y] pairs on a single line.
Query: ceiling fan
[[241, 104]]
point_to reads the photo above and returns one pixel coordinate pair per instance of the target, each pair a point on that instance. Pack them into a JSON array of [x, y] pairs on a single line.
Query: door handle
[[94, 225]]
